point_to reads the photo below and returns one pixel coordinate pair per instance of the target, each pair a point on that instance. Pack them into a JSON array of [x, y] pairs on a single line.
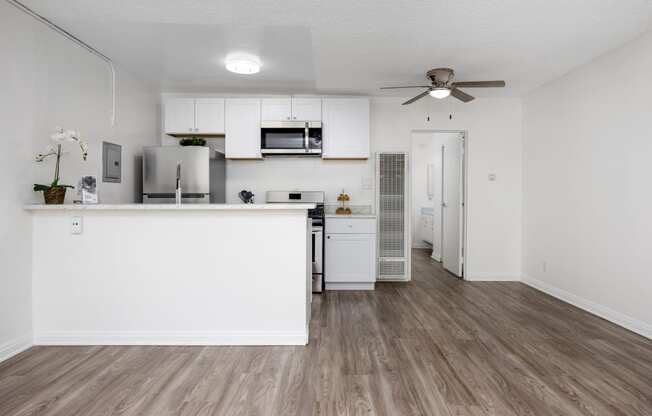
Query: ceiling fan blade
[[479, 84], [407, 86], [461, 95], [418, 97]]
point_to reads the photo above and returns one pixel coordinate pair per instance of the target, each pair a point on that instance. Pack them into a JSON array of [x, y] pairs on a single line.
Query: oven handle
[[306, 137]]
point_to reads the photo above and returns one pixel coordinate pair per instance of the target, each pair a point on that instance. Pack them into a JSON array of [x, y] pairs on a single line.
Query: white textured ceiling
[[354, 46]]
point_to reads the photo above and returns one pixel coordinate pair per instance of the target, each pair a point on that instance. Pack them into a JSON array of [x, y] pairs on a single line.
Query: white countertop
[[351, 216], [169, 207]]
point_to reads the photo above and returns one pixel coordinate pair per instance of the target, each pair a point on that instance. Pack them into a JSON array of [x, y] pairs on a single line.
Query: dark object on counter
[[55, 195], [246, 196], [192, 141]]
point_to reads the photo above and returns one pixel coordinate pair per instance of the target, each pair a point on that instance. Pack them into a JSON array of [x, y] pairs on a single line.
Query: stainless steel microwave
[[291, 138]]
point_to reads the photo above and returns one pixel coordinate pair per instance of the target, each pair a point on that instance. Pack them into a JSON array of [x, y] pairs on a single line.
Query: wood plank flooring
[[434, 346]]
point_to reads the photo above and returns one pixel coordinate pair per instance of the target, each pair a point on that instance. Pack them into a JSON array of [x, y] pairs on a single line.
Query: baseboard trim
[[170, 338], [642, 328], [350, 286], [15, 346], [492, 277]]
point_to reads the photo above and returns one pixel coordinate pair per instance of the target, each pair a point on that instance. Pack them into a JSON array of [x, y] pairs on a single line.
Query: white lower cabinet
[[350, 253]]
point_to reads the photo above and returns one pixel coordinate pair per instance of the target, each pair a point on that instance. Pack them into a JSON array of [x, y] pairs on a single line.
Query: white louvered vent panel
[[391, 177], [394, 269]]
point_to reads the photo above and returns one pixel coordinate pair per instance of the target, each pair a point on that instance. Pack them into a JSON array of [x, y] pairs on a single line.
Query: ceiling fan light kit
[[442, 85], [439, 93]]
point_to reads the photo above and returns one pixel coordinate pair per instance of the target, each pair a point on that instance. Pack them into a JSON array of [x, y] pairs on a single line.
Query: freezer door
[[160, 169]]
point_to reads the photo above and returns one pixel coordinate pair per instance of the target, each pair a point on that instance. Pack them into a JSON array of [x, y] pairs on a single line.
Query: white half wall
[[49, 81], [587, 201], [172, 277]]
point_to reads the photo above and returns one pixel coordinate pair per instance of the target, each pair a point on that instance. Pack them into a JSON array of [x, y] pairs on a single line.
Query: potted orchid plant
[[55, 193]]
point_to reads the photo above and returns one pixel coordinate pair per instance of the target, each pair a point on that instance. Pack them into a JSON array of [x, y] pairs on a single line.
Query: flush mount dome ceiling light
[[242, 64]]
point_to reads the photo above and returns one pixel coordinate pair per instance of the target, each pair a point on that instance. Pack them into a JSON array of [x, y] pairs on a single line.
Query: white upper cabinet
[[276, 109], [286, 109], [180, 116], [346, 128], [242, 128], [308, 109], [209, 115], [184, 116]]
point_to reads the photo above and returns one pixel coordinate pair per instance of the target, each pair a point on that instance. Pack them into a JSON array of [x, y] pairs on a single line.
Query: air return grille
[[391, 204]]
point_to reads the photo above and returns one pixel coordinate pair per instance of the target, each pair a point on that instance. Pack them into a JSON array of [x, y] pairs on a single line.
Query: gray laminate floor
[[435, 346]]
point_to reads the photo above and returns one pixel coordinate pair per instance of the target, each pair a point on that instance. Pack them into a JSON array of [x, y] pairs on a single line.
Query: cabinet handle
[[190, 129], [329, 237], [196, 130]]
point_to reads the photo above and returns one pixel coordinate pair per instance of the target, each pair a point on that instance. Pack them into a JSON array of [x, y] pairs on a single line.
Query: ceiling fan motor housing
[[441, 77]]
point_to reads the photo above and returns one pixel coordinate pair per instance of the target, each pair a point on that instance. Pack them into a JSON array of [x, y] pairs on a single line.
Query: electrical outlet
[[492, 177], [76, 225]]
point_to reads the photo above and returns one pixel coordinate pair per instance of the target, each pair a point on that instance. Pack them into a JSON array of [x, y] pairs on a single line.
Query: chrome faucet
[[177, 195]]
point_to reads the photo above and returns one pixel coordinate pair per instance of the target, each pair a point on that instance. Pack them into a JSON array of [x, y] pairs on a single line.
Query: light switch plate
[[76, 225]]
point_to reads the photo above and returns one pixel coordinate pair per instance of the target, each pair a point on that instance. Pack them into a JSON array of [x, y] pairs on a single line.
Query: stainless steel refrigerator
[[201, 170]]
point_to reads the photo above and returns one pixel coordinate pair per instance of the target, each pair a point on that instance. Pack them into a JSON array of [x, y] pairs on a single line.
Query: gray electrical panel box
[[111, 162]]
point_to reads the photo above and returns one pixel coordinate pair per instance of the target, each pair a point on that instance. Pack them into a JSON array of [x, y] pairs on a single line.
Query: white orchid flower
[[49, 151], [58, 137], [72, 135], [84, 148]]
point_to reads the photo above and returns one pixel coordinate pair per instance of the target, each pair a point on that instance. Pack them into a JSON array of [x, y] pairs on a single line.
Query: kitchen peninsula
[[171, 274]]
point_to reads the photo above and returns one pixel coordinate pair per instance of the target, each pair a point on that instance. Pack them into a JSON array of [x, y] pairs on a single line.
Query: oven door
[[283, 137], [317, 258]]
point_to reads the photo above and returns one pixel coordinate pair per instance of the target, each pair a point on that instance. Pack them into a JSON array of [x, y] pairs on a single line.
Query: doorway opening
[[438, 194]]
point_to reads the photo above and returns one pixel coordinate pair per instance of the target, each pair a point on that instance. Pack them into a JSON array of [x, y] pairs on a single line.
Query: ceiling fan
[[443, 86]]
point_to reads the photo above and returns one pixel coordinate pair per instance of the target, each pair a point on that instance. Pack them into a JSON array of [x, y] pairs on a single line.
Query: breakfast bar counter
[[171, 274]]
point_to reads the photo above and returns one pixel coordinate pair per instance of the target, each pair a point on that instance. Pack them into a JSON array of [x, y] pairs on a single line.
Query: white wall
[[587, 170], [48, 81], [424, 153], [427, 149], [494, 146]]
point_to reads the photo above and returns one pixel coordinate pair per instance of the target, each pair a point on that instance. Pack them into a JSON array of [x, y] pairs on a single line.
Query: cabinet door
[[350, 258], [209, 115], [242, 128], [179, 116], [346, 128], [277, 109], [308, 109]]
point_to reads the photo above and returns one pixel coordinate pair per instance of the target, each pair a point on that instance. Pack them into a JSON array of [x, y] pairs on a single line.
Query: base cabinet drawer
[[350, 225], [350, 261]]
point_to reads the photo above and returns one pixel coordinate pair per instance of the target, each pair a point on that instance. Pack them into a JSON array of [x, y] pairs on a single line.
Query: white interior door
[[452, 203]]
